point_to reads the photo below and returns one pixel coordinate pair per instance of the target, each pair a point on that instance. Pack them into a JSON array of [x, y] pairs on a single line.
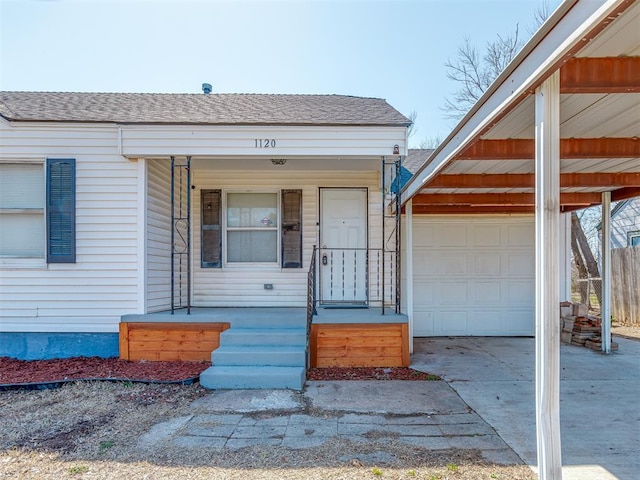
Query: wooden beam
[[624, 193], [471, 209], [600, 75], [527, 180], [499, 199], [570, 148]]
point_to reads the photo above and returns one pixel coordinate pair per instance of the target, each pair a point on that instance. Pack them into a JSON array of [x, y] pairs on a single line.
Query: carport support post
[[408, 254], [547, 165], [606, 272]]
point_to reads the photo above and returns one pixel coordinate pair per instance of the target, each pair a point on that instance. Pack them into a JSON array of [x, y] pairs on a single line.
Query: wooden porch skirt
[[359, 345], [166, 341]]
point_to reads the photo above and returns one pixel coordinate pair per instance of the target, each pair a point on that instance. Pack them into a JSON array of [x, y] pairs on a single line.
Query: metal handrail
[[311, 299], [373, 276]]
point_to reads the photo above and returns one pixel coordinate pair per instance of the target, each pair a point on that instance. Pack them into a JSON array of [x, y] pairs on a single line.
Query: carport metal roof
[[558, 130], [486, 165]]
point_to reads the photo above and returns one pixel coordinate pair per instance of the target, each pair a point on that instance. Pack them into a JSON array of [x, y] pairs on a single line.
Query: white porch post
[[565, 257], [408, 255], [142, 236], [547, 165], [606, 272]]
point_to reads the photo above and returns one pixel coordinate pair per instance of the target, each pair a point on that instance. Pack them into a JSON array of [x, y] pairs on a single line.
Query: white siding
[[90, 295], [625, 221], [234, 286], [158, 235], [162, 140]]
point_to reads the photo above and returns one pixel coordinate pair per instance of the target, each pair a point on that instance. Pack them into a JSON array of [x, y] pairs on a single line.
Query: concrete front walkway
[[599, 398], [421, 414]]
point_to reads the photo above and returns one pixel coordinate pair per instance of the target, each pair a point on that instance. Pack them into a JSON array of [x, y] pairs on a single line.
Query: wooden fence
[[625, 285]]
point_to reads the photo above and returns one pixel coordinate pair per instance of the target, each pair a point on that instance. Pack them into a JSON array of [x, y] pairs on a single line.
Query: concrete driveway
[[599, 398]]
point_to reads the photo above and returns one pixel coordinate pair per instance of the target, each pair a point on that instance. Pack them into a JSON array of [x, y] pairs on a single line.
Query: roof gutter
[[559, 38]]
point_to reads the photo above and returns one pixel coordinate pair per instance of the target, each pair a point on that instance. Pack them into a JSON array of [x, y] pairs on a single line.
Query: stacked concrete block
[[579, 328]]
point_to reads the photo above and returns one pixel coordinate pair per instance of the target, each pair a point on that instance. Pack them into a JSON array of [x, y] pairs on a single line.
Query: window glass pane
[[21, 185], [635, 241], [22, 235], [256, 210], [252, 246]]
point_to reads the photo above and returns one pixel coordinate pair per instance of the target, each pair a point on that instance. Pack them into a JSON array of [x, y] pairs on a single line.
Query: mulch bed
[[368, 373], [14, 371]]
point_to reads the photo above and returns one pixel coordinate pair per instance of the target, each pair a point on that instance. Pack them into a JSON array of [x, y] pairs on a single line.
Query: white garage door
[[474, 276]]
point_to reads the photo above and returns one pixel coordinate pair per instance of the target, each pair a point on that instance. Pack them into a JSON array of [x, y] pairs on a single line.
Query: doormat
[[345, 307]]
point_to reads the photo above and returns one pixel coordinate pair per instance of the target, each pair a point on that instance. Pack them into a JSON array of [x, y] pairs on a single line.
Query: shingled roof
[[212, 109]]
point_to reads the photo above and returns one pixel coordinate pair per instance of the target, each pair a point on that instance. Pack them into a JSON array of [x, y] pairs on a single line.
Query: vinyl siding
[[163, 140], [158, 235], [244, 286], [90, 295]]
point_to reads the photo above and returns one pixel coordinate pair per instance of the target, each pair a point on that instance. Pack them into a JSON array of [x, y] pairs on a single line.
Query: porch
[[267, 347]]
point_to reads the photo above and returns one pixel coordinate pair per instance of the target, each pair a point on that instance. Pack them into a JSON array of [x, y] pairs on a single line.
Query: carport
[[557, 131]]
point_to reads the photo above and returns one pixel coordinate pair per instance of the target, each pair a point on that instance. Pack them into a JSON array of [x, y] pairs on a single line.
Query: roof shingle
[[211, 109]]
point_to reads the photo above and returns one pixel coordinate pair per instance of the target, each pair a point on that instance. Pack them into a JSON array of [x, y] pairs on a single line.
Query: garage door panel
[[521, 235], [474, 276], [485, 236], [520, 293], [452, 236], [488, 322], [454, 293], [520, 264], [486, 263], [453, 321], [487, 293], [519, 322], [423, 292]]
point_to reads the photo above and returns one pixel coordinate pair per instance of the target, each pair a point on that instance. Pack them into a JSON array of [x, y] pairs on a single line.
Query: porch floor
[[231, 315]]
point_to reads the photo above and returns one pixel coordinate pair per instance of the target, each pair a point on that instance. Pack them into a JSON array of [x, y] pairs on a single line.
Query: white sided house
[[117, 207]]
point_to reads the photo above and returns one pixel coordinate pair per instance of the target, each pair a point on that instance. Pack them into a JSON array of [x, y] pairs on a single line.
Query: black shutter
[[292, 228], [61, 210], [211, 249]]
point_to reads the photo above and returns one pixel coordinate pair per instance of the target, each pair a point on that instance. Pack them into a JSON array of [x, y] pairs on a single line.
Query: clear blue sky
[[388, 49]]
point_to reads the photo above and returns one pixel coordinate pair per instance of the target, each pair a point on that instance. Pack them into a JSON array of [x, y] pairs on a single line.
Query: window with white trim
[[633, 238], [22, 201], [263, 228], [252, 227], [37, 210]]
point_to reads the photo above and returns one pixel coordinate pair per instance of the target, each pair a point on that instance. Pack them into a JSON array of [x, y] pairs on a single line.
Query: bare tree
[[585, 261], [474, 73], [412, 128], [430, 142], [540, 15]]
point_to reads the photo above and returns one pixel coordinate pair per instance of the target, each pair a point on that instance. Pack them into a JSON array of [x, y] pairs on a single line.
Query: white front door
[[343, 244]]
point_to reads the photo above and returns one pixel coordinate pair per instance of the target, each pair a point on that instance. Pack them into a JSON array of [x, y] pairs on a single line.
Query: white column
[[547, 165], [565, 257], [142, 236], [606, 272], [408, 268]]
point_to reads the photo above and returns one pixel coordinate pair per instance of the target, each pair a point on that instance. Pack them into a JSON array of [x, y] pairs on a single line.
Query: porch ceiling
[[491, 169]]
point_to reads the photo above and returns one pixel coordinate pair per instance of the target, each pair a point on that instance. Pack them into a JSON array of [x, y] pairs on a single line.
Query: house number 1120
[[265, 142]]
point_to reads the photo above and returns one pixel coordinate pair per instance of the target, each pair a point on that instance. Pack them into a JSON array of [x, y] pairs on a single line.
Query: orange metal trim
[[600, 75], [570, 148]]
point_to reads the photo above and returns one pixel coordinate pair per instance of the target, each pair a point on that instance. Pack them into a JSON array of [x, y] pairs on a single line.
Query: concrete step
[[269, 320], [259, 355], [253, 377], [264, 336]]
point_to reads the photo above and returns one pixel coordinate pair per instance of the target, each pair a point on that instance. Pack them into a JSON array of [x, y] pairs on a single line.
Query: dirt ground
[[626, 331], [90, 430]]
